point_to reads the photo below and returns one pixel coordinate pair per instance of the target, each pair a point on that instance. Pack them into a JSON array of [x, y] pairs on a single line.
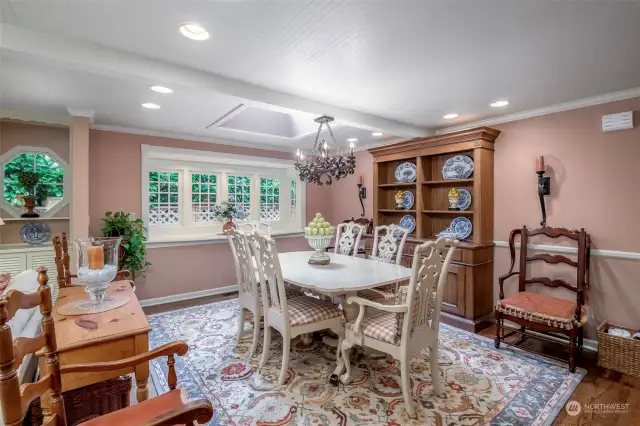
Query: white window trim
[[66, 180], [186, 161]]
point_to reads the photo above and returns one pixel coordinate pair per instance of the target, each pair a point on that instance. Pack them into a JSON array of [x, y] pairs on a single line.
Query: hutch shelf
[[468, 296]]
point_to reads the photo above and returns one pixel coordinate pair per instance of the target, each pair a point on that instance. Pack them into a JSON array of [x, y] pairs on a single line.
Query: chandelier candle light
[[321, 166]]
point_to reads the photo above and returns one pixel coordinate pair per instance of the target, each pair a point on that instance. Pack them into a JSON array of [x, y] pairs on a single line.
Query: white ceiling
[[392, 65]]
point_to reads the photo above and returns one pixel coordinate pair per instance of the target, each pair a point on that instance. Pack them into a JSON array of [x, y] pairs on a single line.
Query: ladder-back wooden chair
[[170, 408], [541, 312], [64, 275]]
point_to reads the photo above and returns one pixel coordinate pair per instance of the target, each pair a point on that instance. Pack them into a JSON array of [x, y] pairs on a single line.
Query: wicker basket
[[618, 353], [90, 401]]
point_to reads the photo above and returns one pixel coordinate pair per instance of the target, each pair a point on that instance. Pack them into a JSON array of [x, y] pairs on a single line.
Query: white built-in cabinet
[[15, 258]]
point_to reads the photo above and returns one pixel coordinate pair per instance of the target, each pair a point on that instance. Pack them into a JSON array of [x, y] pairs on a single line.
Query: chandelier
[[321, 166]]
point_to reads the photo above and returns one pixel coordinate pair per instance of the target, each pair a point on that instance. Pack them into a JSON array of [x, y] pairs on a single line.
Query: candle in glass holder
[[540, 163], [95, 256]]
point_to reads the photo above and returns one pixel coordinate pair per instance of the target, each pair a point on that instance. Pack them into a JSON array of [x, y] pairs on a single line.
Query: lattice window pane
[[239, 189], [293, 199], [204, 196], [269, 199], [164, 198]]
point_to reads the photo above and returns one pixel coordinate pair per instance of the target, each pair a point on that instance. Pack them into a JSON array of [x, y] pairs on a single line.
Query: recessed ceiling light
[[193, 31], [151, 105], [161, 89], [376, 134], [352, 140], [449, 116], [499, 104]]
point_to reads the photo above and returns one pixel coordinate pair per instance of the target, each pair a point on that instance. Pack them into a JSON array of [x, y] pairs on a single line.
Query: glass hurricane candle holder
[[97, 266]]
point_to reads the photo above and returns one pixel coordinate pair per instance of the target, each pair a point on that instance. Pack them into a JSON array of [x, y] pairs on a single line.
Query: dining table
[[344, 276]]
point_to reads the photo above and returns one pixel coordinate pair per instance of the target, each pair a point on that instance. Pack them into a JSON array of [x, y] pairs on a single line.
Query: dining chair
[[291, 317], [248, 285], [167, 409], [546, 313], [348, 237], [412, 323], [251, 226], [388, 243], [249, 288]]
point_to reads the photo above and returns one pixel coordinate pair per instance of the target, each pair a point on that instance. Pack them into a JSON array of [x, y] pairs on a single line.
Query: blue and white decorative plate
[[458, 167], [35, 233], [408, 222], [408, 200], [462, 227], [465, 199], [406, 172]]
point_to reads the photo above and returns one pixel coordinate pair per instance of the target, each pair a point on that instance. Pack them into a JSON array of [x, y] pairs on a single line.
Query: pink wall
[[115, 172], [594, 185], [56, 138]]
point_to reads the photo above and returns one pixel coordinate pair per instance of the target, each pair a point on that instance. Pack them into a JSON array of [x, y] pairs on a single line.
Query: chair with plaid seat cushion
[[545, 313], [388, 242], [412, 324], [290, 317]]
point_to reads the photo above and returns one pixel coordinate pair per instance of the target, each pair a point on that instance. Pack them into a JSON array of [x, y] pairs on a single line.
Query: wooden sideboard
[[468, 296]]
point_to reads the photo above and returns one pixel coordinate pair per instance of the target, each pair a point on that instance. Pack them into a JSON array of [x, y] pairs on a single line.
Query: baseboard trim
[[188, 296], [587, 344]]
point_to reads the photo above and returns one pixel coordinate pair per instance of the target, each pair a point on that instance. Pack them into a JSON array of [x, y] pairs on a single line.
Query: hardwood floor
[[599, 386]]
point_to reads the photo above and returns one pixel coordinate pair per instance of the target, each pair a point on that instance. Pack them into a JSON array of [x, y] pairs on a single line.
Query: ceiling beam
[[110, 62]]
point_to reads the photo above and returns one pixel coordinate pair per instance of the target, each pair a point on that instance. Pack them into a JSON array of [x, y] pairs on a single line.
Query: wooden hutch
[[468, 296]]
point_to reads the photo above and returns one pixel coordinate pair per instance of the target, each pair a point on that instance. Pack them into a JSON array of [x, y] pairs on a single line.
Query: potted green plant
[[225, 212], [29, 182], [133, 249]]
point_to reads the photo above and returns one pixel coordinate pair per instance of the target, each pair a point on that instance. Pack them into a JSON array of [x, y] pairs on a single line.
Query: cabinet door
[[42, 258], [453, 295], [13, 263]]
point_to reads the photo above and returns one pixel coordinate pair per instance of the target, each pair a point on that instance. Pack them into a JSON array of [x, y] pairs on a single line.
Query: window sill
[[197, 240]]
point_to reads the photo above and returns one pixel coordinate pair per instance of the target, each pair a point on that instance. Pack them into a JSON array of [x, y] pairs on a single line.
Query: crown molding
[[567, 106], [189, 137], [41, 119], [79, 112]]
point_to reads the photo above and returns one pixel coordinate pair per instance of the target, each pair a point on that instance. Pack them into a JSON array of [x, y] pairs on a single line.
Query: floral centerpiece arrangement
[[226, 212], [318, 234]]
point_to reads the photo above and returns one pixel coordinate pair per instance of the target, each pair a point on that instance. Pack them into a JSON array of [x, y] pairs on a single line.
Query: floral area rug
[[484, 385]]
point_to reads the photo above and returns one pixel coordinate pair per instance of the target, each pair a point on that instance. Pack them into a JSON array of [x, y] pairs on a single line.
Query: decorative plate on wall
[[406, 172], [465, 199], [458, 167], [408, 222], [35, 233], [408, 200]]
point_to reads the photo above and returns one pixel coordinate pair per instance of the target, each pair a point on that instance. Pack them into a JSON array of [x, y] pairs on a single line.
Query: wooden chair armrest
[[387, 308], [199, 410], [505, 276], [179, 348]]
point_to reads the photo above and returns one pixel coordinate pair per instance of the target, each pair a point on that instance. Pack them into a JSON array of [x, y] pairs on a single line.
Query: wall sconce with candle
[[544, 186], [362, 194]]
